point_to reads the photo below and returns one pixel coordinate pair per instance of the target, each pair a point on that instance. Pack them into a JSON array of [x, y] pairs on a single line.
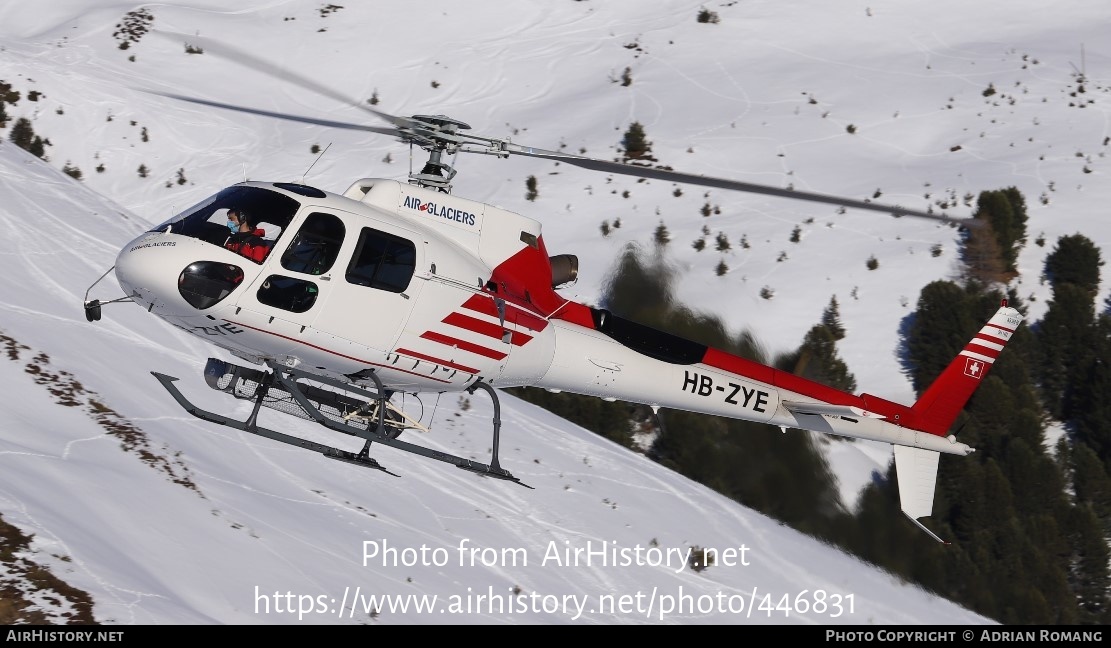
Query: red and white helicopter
[[401, 287]]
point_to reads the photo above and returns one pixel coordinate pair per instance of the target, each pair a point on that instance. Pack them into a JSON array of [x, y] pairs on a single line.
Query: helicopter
[[339, 302]]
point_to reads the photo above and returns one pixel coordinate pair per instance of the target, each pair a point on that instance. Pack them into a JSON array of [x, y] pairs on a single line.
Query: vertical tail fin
[[939, 405]]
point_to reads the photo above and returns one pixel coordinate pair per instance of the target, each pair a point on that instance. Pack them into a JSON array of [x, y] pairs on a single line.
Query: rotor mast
[[437, 134]]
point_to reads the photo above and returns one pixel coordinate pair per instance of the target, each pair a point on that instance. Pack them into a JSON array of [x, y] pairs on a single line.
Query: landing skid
[[287, 386], [357, 459]]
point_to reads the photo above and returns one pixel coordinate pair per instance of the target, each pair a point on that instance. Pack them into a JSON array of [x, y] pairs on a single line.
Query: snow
[[766, 95]]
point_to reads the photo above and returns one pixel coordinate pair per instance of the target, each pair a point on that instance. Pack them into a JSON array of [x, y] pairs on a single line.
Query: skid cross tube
[[291, 386], [279, 373], [250, 426]]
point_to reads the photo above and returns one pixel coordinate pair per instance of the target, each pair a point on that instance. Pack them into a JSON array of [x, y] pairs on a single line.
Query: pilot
[[245, 239]]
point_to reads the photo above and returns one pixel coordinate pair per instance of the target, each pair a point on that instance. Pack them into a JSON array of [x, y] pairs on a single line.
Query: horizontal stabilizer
[[826, 409]]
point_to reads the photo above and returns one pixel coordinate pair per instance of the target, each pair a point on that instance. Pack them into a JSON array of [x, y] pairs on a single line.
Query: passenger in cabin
[[246, 239]]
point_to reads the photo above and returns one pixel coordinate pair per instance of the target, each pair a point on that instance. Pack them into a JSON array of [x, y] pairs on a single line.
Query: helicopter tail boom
[[630, 362]]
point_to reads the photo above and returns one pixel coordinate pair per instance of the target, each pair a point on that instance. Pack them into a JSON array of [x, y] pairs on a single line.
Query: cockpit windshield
[[264, 216]]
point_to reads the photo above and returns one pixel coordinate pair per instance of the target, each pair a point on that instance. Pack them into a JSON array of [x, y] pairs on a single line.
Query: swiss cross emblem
[[973, 367]]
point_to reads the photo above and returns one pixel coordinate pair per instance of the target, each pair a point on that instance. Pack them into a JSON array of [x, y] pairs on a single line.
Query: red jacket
[[249, 244]]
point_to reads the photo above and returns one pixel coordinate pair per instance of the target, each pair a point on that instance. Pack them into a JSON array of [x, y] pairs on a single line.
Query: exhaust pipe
[[565, 269]]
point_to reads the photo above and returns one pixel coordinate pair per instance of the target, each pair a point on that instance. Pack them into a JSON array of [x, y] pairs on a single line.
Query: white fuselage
[[402, 335], [450, 315]]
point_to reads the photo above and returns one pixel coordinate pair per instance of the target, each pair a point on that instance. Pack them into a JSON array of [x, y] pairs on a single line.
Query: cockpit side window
[[267, 210]]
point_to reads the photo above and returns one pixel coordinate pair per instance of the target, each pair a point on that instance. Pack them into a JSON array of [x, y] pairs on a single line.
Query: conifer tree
[[1075, 260], [38, 147], [23, 136], [1065, 342], [635, 143], [942, 326], [817, 359], [982, 257], [1090, 583], [22, 133], [831, 319], [1091, 482], [661, 235], [530, 187], [1005, 210], [1089, 407]]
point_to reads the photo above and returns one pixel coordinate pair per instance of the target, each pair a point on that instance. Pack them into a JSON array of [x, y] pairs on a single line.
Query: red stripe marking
[[990, 335], [481, 304], [446, 363], [745, 368], [463, 344], [335, 353], [482, 327], [983, 350], [737, 365], [514, 314], [985, 340]]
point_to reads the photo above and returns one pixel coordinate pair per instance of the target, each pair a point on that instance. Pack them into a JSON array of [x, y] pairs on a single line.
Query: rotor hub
[[441, 122], [436, 134]]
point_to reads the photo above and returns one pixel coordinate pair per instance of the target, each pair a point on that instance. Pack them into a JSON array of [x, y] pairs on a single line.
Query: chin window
[[204, 284]]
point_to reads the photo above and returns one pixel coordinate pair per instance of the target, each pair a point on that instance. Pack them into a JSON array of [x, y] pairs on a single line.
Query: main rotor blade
[[721, 183], [259, 65], [384, 130]]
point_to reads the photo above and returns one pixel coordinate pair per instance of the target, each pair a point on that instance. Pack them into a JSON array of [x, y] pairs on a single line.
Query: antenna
[[1080, 73], [314, 162]]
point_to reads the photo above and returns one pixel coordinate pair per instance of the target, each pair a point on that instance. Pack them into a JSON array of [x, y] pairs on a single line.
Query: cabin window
[[288, 293], [382, 261], [315, 248]]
